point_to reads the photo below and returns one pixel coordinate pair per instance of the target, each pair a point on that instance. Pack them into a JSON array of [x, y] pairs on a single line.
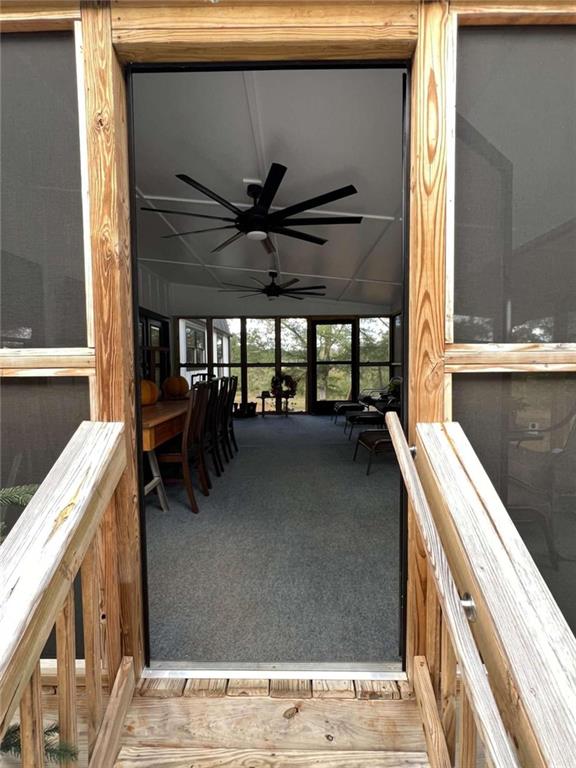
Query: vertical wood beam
[[31, 726], [426, 277], [92, 644], [112, 284], [467, 749], [448, 691], [66, 671]]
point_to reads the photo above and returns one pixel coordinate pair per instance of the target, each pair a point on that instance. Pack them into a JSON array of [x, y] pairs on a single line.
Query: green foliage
[[18, 495], [54, 752]]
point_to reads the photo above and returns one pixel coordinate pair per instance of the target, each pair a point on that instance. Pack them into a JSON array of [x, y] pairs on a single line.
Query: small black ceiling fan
[[274, 290], [258, 222]]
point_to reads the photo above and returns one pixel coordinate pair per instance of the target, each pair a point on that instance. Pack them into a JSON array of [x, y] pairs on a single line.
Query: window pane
[[38, 417], [374, 339], [294, 339], [334, 341], [333, 382], [523, 428], [42, 260], [374, 377], [233, 328], [260, 340], [260, 380], [515, 235]]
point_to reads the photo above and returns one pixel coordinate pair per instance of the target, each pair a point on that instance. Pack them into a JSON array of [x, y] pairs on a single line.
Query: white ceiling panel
[[329, 127]]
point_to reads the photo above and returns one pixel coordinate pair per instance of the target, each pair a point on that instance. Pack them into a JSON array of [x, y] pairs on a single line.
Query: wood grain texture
[[248, 687], [426, 305], [447, 700], [31, 724], [502, 355], [487, 714], [114, 395], [435, 739], [271, 724], [66, 672], [92, 640], [269, 30], [290, 689], [161, 687], [24, 16], [43, 552], [333, 689], [205, 688], [153, 757], [514, 12], [467, 740], [47, 358], [107, 744], [518, 621], [377, 689]]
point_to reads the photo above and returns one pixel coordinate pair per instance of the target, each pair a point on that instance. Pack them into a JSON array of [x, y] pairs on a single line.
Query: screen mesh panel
[[42, 259], [515, 215], [523, 428]]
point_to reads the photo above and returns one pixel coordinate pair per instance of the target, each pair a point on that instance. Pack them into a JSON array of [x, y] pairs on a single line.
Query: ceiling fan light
[[256, 234]]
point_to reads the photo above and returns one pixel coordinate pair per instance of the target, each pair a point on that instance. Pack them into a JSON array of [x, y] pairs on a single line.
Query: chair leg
[[233, 438], [157, 482], [356, 449], [188, 485], [203, 476], [369, 462], [351, 430]]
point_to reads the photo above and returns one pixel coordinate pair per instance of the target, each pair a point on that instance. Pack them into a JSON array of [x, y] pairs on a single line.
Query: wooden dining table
[[160, 423]]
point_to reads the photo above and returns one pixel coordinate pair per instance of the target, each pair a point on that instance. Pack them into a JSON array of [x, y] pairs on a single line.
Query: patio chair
[[371, 418], [187, 450], [375, 441], [345, 406]]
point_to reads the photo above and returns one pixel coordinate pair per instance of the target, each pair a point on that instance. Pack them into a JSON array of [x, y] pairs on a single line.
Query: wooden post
[[448, 690], [112, 280], [426, 305], [66, 670], [467, 757], [31, 726], [92, 647]]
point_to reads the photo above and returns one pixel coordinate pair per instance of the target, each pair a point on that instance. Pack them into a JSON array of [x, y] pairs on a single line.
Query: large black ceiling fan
[[258, 222], [274, 290]]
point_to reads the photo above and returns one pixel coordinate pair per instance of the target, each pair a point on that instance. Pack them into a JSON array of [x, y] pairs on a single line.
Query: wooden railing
[[57, 536], [503, 663]]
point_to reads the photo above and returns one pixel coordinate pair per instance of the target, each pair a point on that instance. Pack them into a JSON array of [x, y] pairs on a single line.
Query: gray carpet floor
[[294, 556]]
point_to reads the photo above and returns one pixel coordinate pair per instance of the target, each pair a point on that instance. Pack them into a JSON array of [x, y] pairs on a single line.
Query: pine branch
[[19, 495], [54, 751]]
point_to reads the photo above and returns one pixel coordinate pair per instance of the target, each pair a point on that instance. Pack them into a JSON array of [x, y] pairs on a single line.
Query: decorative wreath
[[283, 385]]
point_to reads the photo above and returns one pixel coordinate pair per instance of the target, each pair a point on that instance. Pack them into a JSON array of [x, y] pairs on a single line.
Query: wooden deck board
[[274, 724], [161, 688], [246, 758], [377, 689], [333, 689], [206, 688], [290, 689], [248, 688]]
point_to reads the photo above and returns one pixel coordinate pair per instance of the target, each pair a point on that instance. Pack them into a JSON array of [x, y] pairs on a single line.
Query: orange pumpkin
[[175, 388], [149, 392]]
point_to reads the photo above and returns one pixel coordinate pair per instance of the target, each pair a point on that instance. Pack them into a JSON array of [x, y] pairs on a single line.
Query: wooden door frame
[[125, 31]]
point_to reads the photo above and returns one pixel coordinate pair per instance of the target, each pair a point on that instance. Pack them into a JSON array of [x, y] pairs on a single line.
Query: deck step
[[171, 757], [270, 724]]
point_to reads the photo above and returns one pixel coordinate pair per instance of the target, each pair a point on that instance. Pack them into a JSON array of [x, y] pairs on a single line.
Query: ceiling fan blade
[[227, 242], [258, 281], [196, 232], [239, 285], [301, 293], [314, 202], [288, 283], [309, 288], [290, 296], [238, 290], [313, 220], [185, 213], [300, 235], [208, 192], [273, 181], [268, 246]]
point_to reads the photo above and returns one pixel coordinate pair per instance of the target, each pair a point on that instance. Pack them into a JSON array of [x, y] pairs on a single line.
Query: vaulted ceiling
[[330, 127]]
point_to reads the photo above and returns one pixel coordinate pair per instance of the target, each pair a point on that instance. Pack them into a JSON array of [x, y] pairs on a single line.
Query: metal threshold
[[391, 670]]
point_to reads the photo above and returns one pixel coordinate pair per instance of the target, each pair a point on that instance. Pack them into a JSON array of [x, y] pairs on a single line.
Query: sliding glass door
[[333, 373]]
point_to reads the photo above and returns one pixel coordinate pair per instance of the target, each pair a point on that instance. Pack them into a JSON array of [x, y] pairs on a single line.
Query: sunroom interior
[[294, 555]]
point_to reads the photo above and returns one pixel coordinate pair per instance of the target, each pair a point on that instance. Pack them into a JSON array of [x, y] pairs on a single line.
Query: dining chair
[[187, 450], [210, 438], [375, 441], [230, 411]]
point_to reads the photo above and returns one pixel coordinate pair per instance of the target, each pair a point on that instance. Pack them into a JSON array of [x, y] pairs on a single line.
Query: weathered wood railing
[[57, 536], [499, 626]]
